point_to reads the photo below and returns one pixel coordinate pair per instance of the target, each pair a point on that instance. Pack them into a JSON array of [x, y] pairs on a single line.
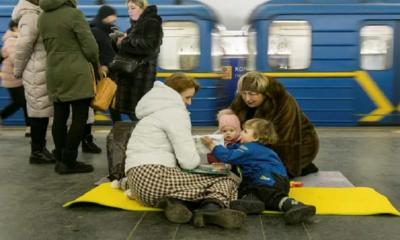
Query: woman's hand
[[208, 142], [119, 39]]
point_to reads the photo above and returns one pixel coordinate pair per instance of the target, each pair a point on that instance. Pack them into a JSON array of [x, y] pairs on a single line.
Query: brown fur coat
[[298, 142]]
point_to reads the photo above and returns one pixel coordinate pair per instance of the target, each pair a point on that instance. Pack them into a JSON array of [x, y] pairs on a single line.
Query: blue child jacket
[[256, 161]]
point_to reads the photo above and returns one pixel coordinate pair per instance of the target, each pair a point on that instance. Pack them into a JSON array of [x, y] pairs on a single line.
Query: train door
[[379, 51]]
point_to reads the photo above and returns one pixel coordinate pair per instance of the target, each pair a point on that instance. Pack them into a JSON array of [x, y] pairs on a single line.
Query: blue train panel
[[339, 59]]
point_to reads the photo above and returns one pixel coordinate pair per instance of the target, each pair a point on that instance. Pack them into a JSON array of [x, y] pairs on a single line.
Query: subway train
[[339, 59]]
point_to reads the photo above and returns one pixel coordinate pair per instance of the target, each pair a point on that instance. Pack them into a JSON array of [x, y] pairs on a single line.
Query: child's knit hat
[[229, 119]]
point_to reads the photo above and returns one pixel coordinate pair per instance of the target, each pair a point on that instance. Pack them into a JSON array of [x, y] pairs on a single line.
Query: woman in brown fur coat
[[262, 97]]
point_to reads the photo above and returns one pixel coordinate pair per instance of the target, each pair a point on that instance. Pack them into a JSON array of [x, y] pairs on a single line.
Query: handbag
[[124, 64], [104, 93]]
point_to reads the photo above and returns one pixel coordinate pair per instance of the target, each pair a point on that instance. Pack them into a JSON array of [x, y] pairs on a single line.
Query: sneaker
[[41, 157]]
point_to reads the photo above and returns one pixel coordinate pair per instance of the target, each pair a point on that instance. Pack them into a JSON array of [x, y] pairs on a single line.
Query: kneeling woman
[[161, 146]]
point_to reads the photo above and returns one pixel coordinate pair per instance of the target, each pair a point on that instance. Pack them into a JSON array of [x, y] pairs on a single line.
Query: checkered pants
[[150, 183]]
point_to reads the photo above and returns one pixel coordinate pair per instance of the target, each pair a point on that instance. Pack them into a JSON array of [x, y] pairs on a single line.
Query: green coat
[[71, 49]]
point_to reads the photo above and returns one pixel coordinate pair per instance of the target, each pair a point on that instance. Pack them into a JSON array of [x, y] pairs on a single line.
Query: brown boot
[[175, 210]]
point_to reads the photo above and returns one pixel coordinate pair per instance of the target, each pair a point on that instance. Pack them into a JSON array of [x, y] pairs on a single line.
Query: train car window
[[217, 50], [289, 44], [252, 49], [376, 51], [180, 49]]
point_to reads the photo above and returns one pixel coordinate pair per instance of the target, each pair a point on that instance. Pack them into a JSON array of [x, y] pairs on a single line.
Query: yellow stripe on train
[[384, 106]]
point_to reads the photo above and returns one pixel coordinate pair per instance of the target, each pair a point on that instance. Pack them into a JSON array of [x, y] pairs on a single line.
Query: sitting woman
[[161, 146], [262, 97]]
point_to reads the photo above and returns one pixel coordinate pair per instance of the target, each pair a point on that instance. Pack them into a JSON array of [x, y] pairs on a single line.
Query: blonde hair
[[263, 129], [224, 112], [254, 82], [140, 3]]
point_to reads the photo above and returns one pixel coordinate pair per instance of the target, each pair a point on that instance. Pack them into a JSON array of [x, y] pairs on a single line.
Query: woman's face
[[252, 99], [134, 11], [187, 96]]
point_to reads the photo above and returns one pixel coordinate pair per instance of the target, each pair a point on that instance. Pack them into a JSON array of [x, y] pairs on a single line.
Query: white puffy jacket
[[30, 60], [163, 134]]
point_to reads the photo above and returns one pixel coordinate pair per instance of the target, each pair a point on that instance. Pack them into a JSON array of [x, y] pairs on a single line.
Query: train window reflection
[[252, 48], [217, 50], [376, 47], [180, 49], [289, 44]]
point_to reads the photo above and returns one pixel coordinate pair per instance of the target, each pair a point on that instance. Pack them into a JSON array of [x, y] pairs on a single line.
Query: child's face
[[247, 135], [229, 133]]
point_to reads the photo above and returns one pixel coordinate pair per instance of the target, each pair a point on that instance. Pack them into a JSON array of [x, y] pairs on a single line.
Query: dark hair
[[180, 82], [12, 24], [263, 129]]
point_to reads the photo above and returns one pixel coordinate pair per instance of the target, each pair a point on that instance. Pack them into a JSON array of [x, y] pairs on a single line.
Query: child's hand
[[208, 142]]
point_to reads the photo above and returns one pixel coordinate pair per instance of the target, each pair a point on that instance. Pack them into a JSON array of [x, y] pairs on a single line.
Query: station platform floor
[[31, 196]]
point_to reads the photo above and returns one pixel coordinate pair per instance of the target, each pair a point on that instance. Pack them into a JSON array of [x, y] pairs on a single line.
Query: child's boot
[[249, 204], [296, 212], [212, 211], [175, 210]]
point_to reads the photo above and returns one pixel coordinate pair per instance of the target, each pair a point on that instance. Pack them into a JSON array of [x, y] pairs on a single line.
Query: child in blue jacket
[[264, 175]]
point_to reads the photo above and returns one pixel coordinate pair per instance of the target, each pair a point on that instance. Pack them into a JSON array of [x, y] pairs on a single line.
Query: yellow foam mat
[[328, 201]]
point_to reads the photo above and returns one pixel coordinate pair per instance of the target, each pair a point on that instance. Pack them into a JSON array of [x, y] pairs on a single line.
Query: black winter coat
[[106, 48], [142, 43]]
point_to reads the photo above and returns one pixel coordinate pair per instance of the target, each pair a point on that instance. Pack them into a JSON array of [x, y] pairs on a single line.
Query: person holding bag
[[71, 52], [136, 61]]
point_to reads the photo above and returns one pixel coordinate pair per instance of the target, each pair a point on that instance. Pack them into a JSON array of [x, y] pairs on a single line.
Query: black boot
[[88, 145], [69, 165], [175, 210], [310, 168], [296, 212], [40, 154], [213, 212], [249, 204]]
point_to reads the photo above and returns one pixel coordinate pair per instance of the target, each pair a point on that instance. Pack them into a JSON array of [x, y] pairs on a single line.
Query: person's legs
[[39, 152], [276, 198], [11, 108], [151, 184], [80, 110], [88, 144], [248, 201], [69, 152], [67, 142]]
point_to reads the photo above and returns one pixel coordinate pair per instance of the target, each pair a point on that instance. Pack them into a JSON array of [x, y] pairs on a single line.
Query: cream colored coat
[[30, 60]]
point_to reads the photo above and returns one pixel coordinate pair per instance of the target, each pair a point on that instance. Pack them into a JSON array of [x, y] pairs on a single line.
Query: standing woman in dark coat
[[72, 53], [142, 43], [262, 97]]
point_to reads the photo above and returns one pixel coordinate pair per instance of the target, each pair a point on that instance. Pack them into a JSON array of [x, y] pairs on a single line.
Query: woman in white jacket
[[30, 65], [161, 145]]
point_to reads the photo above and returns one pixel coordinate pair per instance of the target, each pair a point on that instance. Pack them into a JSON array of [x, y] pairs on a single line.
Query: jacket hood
[[160, 97], [50, 5], [24, 7], [10, 34]]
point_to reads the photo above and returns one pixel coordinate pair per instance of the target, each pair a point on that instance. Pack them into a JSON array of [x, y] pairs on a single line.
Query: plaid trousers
[[150, 183]]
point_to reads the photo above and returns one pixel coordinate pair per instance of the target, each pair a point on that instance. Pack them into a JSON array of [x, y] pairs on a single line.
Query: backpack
[[117, 141]]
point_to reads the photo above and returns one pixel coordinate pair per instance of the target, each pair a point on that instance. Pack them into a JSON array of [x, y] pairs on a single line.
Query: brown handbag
[[104, 93]]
